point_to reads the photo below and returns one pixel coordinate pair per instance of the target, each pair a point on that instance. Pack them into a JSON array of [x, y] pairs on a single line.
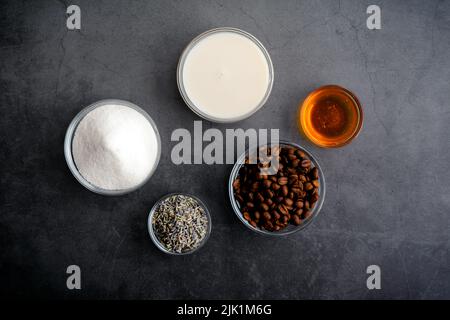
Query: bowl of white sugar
[[112, 147], [225, 75]]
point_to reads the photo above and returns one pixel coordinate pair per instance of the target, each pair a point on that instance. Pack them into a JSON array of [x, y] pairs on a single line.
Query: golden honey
[[331, 116]]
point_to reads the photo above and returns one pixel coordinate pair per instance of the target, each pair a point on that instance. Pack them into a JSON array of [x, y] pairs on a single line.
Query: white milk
[[226, 76]]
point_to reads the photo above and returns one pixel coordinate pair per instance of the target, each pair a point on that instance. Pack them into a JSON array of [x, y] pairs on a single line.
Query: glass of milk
[[225, 75]]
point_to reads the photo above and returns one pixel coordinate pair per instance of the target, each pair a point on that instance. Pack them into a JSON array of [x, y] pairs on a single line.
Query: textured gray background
[[388, 193]]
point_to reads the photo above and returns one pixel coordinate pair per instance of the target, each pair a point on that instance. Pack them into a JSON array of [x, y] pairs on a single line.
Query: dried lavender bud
[[180, 223]]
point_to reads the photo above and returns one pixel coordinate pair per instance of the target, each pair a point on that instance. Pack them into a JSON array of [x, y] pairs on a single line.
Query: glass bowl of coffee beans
[[276, 189]]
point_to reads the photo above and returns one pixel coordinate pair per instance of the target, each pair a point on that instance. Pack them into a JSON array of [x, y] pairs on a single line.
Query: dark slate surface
[[388, 193]]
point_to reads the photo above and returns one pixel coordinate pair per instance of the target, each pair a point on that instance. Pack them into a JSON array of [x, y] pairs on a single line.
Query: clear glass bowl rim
[[292, 229], [182, 60], [68, 146], [153, 236]]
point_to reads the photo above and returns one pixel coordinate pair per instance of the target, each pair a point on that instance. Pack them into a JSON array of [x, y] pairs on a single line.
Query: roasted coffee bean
[[314, 173], [306, 163], [255, 186], [295, 184], [253, 223], [282, 209], [299, 204], [239, 198], [291, 157], [291, 171], [280, 199], [276, 215], [295, 163], [315, 183], [293, 178], [298, 212], [314, 198], [297, 220], [266, 215], [257, 215], [284, 190], [269, 202], [308, 186], [259, 197], [282, 181], [273, 178], [306, 214], [296, 190], [288, 202], [269, 194], [267, 184], [302, 177], [275, 186], [236, 184], [246, 216], [300, 154], [285, 219], [306, 206], [264, 206], [250, 205]]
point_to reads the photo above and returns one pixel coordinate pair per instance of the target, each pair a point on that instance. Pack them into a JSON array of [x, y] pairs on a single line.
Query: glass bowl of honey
[[330, 116]]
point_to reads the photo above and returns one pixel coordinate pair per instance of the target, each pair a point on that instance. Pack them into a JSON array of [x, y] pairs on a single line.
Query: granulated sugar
[[115, 147]]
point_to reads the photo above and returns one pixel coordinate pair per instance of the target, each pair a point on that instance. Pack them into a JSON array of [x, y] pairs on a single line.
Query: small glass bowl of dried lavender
[[179, 224]]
